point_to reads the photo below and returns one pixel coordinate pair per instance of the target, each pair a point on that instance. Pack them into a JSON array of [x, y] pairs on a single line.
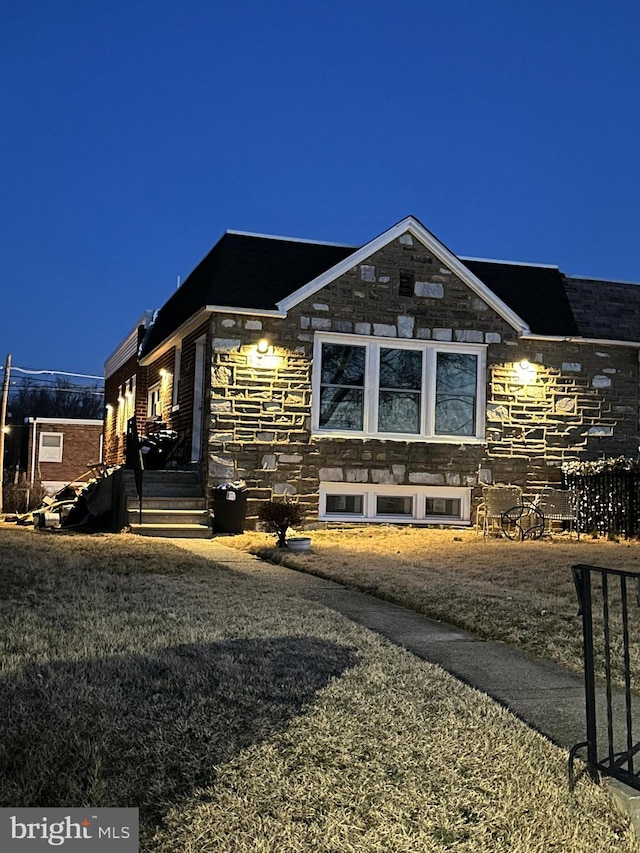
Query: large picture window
[[414, 390]]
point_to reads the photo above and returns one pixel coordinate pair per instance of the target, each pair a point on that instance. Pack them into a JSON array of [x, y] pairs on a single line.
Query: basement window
[[344, 504], [394, 504]]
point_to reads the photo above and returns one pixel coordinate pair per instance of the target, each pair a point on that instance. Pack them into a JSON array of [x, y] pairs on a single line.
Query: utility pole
[[3, 423]]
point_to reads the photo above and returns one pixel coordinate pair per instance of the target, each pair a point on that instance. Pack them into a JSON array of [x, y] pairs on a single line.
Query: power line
[[55, 373], [42, 382]]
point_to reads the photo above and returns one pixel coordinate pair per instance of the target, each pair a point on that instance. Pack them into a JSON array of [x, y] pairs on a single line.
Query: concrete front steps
[[173, 505]]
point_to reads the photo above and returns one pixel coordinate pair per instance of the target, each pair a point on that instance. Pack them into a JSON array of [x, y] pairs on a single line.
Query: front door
[[198, 400]]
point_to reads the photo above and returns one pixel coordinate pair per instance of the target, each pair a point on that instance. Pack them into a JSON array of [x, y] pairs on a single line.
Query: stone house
[[385, 382]]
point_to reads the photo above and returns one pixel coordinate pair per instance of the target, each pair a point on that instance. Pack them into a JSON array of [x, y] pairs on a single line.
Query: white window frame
[[419, 494], [50, 454], [154, 393], [429, 350]]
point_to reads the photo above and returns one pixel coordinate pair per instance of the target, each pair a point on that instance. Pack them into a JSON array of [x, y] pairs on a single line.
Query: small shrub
[[279, 516], [19, 498]]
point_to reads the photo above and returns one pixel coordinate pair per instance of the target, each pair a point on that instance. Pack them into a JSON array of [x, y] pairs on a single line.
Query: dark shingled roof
[[256, 272], [609, 310], [244, 271], [535, 293]]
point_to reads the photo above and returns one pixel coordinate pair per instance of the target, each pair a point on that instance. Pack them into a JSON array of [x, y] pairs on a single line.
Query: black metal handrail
[[603, 637], [134, 460]]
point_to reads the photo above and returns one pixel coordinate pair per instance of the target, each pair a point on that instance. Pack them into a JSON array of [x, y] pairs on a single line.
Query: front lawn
[[241, 718], [518, 592]]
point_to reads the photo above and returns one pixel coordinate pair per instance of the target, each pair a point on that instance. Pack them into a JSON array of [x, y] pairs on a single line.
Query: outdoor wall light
[[525, 371], [262, 356], [164, 374], [109, 408], [121, 401]]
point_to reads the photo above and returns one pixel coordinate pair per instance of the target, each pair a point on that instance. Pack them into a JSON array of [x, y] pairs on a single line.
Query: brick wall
[[80, 446], [115, 426]]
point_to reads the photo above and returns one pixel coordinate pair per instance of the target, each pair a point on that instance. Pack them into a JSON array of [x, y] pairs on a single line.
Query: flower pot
[[299, 543]]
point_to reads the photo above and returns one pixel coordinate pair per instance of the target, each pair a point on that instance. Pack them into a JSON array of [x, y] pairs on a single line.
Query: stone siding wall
[[576, 401], [580, 400]]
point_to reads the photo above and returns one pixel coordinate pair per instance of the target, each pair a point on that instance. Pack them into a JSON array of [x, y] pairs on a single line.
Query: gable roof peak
[[431, 242]]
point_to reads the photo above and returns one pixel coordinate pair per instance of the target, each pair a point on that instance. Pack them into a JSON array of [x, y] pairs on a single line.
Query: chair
[[559, 505], [495, 501]]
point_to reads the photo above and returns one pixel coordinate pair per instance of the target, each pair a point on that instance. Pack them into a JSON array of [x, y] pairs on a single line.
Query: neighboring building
[[381, 383], [57, 451]]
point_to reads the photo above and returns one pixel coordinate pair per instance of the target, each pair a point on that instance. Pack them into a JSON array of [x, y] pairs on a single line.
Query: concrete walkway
[[543, 694]]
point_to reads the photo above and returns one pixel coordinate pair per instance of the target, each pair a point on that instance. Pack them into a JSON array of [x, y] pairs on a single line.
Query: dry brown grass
[[517, 592], [242, 718]]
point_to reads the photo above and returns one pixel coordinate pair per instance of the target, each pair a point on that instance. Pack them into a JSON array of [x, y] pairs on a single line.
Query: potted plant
[[279, 516]]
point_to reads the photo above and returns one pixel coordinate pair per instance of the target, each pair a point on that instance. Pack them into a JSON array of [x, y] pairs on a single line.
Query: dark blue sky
[[134, 133]]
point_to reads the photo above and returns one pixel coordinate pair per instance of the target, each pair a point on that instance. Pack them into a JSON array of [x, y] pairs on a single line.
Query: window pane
[[342, 365], [401, 368], [392, 505], [341, 408], [344, 504], [456, 378], [341, 391], [399, 396], [399, 411], [51, 440], [443, 506]]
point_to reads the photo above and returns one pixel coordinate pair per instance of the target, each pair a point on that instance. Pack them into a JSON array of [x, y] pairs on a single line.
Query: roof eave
[[199, 317], [579, 339]]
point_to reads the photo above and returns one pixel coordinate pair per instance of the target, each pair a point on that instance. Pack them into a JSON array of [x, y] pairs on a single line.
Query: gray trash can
[[229, 508]]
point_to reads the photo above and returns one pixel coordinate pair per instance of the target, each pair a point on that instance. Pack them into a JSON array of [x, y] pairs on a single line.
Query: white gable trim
[[416, 229]]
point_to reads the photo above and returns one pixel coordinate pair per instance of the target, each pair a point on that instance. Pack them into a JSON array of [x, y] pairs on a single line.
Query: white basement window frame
[[397, 389], [50, 447], [394, 504]]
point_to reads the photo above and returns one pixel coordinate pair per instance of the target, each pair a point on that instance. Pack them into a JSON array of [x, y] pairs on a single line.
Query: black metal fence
[[610, 607], [608, 502]]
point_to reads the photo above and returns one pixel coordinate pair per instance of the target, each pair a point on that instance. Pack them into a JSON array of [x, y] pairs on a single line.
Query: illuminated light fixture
[[525, 372], [6, 430], [121, 401], [164, 373], [262, 346], [109, 407]]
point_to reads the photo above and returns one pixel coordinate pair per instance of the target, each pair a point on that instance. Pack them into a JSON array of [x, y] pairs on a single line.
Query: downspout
[[33, 450]]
